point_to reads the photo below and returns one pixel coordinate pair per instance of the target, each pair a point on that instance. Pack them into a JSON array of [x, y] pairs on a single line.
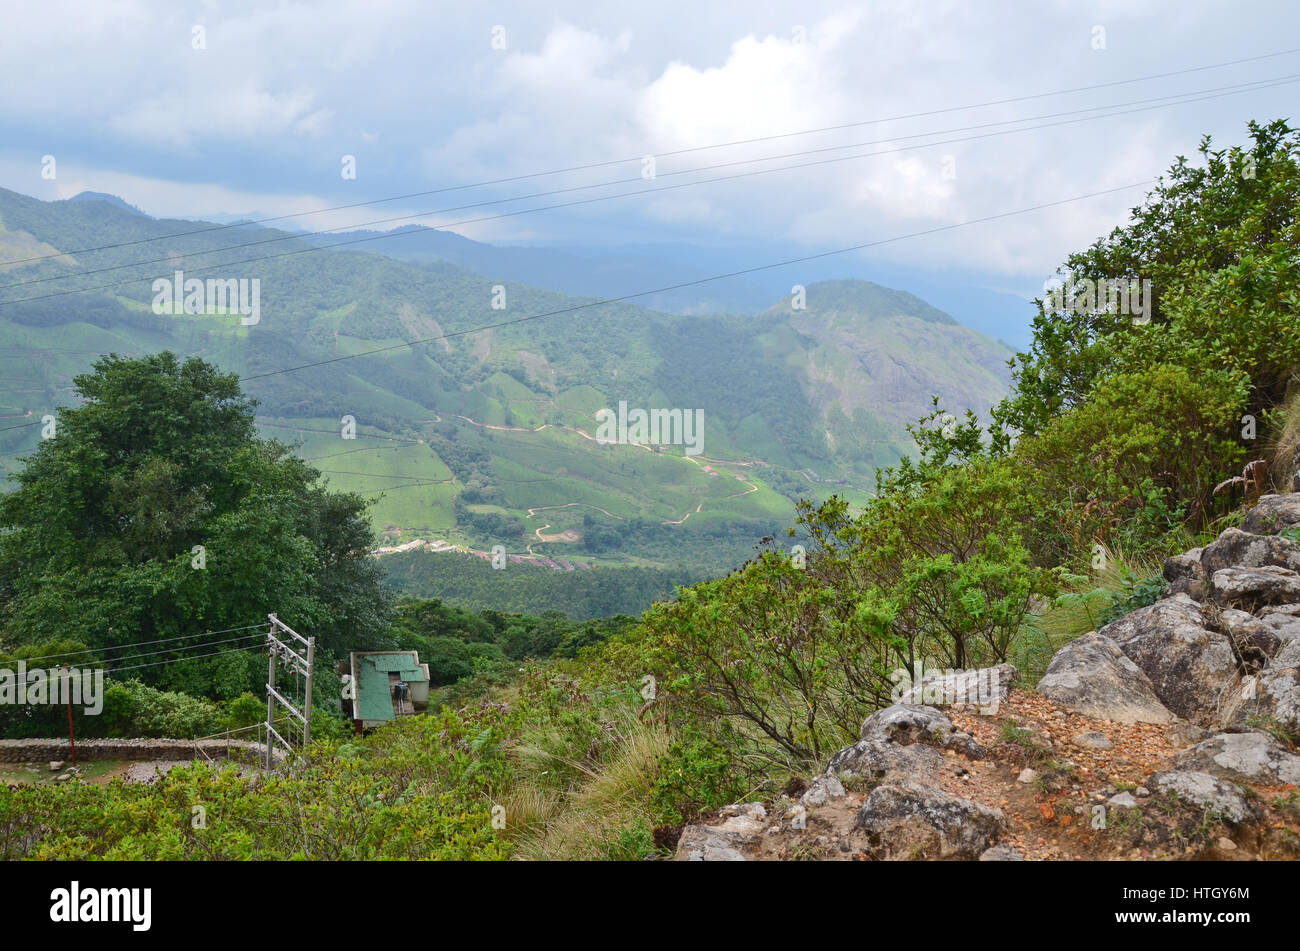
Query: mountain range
[[485, 432]]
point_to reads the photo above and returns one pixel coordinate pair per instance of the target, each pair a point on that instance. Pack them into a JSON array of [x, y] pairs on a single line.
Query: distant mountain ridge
[[108, 199]]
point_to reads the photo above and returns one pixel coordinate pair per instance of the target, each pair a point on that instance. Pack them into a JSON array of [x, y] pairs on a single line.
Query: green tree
[[1220, 244], [156, 511]]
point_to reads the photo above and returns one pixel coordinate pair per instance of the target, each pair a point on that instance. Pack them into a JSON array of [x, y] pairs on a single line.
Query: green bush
[[1143, 452]]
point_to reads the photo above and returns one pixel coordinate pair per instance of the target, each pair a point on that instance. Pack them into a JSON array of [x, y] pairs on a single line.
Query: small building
[[379, 686]]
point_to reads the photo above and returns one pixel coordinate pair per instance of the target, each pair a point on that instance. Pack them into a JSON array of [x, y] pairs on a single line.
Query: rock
[[1250, 757], [1205, 791], [1190, 667], [985, 688], [1237, 549], [56, 765], [728, 841], [1277, 697], [878, 758], [1141, 792], [63, 778], [911, 821], [823, 789], [1185, 575], [1251, 589], [1253, 641], [1288, 656], [749, 810], [1092, 740], [1092, 676], [1123, 800], [903, 740], [1027, 775], [1001, 853], [1286, 610], [1273, 514], [1285, 627], [907, 723], [1180, 733], [1226, 844]]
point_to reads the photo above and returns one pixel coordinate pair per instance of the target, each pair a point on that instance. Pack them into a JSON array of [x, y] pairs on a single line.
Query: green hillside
[[488, 437]]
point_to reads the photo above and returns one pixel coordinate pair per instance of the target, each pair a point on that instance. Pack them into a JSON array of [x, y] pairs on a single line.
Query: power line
[[159, 663], [1173, 99], [161, 640], [335, 432], [586, 201], [378, 475], [346, 452], [21, 426], [169, 650], [683, 151]]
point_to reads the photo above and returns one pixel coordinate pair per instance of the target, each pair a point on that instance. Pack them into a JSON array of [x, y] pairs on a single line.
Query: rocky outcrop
[[1232, 661], [1092, 676], [913, 821], [1192, 669], [1216, 663]]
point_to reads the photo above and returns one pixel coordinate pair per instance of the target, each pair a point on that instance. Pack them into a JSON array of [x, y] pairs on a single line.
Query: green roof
[[374, 698]]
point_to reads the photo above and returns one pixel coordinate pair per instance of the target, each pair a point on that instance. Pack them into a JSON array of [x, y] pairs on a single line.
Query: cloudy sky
[[200, 109]]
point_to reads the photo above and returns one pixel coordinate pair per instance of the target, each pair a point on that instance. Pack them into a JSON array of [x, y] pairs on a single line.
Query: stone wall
[[46, 750]]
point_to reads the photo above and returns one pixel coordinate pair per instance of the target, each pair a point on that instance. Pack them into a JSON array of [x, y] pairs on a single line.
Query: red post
[[67, 695]]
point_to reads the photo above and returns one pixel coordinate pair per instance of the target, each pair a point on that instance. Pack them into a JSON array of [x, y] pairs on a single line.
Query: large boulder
[[985, 688], [1219, 796], [1237, 549], [1252, 589], [1092, 676], [1273, 514], [904, 740], [1192, 669], [1248, 757], [910, 821], [730, 840]]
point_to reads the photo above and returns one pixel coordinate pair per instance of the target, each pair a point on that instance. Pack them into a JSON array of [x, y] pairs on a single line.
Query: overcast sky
[[433, 95]]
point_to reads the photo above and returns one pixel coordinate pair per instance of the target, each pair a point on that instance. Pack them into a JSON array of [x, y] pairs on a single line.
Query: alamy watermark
[[935, 686], [52, 687], [224, 295], [1127, 296], [641, 427]]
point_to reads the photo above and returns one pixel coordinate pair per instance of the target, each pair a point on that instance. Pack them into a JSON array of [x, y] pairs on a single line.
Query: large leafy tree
[[100, 542]]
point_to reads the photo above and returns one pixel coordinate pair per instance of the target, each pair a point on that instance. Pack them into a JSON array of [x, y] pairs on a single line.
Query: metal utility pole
[[279, 639]]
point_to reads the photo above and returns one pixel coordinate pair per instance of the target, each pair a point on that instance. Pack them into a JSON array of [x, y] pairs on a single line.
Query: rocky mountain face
[[1169, 733]]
